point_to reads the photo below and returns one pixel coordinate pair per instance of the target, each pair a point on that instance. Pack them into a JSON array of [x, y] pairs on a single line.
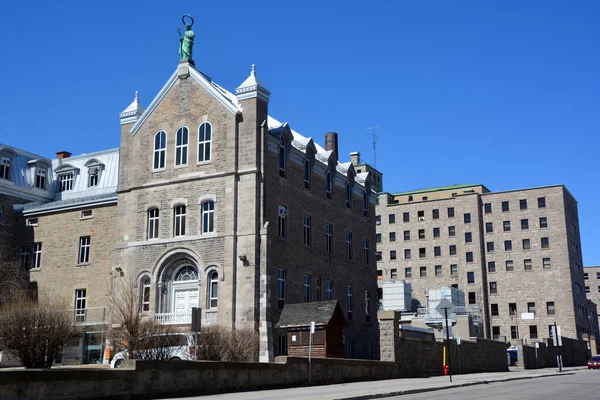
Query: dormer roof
[[133, 111], [252, 87]]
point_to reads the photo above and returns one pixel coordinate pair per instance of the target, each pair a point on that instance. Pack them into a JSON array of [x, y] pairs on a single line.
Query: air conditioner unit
[[283, 211]]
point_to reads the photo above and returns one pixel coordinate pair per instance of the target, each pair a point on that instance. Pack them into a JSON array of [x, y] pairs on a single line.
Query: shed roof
[[302, 314]]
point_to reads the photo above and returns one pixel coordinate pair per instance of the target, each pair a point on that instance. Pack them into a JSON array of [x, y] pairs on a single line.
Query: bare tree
[[34, 331], [13, 277]]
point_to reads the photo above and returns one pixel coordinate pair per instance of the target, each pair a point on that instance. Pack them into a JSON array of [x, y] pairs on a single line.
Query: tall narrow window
[[208, 216], [179, 220], [40, 178], [280, 288], [365, 204], [307, 288], [329, 238], [93, 176], [307, 231], [84, 249], [80, 300], [145, 294], [348, 196], [25, 257], [213, 290], [318, 289], [5, 168], [153, 223], [204, 142], [329, 290], [328, 185], [307, 174], [366, 253], [282, 222], [160, 149], [181, 146], [367, 306], [282, 160], [37, 255], [65, 182], [349, 245], [350, 303]]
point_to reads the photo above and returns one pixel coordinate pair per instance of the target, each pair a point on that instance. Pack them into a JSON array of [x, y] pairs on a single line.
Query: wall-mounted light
[[244, 260]]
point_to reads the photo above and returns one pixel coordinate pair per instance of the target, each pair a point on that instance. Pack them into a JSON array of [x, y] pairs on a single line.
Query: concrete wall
[[573, 353]]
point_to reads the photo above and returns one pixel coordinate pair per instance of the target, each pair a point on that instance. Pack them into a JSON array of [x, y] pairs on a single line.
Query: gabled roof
[[302, 314]]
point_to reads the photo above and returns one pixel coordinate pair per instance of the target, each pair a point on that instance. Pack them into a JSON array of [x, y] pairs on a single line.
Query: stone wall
[[573, 353]]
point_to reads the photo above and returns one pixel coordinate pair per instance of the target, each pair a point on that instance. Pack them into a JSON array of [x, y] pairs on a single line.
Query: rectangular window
[[406, 254], [65, 182], [512, 309], [423, 272], [436, 232], [438, 270], [508, 245], [392, 218], [509, 265], [378, 256], [307, 288], [526, 244], [40, 178], [392, 236], [37, 255], [531, 307], [392, 254], [378, 238], [84, 249], [451, 231], [491, 266], [366, 252], [80, 300], [435, 213], [524, 224], [350, 303], [181, 146], [307, 231], [32, 222], [468, 237], [453, 269], [550, 310], [367, 306], [329, 238], [405, 217], [450, 212], [495, 332], [93, 175], [487, 208], [86, 214], [179, 220], [472, 298], [489, 227], [506, 226], [25, 257], [490, 247], [437, 251], [546, 263], [470, 277], [523, 204], [586, 276], [495, 312], [153, 223], [527, 265], [5, 168], [493, 288], [545, 243], [393, 273], [329, 290], [469, 256], [378, 220], [514, 332], [280, 288], [533, 334], [307, 174], [282, 222], [283, 347], [422, 252], [467, 218], [541, 202], [406, 235], [587, 289], [452, 249], [543, 222], [421, 233], [421, 215], [408, 272], [349, 254], [505, 206]]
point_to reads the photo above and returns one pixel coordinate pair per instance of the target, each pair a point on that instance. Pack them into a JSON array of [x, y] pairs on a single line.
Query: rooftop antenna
[[372, 130]]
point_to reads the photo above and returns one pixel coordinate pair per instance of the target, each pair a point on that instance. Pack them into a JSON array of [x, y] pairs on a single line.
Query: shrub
[[217, 343]]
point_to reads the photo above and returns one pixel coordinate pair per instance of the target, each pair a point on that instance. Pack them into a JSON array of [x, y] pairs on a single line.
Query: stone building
[[591, 276], [209, 202], [515, 254]]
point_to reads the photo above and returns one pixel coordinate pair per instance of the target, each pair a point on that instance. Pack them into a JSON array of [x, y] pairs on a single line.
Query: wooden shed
[[329, 325]]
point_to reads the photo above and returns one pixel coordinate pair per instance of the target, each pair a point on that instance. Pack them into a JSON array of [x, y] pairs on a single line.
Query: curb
[[435, 389]]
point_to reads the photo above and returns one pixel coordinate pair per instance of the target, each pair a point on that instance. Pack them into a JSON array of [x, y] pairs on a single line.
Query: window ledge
[[159, 169], [84, 218], [85, 264], [212, 311], [180, 166], [204, 162], [35, 269]]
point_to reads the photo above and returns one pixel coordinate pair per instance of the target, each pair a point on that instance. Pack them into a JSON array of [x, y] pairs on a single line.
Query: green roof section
[[440, 188]]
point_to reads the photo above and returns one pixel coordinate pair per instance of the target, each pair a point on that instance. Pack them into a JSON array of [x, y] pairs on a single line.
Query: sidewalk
[[387, 388]]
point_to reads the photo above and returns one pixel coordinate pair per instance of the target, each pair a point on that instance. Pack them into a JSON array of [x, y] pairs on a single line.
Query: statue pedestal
[[183, 69]]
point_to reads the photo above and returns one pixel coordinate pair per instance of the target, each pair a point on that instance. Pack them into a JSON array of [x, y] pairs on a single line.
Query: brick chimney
[[355, 157], [331, 143], [62, 154]]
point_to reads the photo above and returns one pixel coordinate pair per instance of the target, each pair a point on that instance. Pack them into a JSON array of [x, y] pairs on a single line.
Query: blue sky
[[504, 93]]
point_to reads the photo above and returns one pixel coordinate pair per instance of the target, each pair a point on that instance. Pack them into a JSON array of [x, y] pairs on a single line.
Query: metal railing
[[433, 317], [173, 318]]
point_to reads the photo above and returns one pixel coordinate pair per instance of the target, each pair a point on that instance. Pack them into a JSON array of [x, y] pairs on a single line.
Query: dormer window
[[65, 182], [93, 176], [40, 178], [5, 168]]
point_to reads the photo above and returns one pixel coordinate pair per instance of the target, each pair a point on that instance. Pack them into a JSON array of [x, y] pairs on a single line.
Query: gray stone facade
[[513, 266]]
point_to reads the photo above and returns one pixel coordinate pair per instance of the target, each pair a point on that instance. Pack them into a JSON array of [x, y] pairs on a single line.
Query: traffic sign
[[445, 304]]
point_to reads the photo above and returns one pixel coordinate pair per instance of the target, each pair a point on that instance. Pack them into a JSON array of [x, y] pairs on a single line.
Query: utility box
[[396, 295]]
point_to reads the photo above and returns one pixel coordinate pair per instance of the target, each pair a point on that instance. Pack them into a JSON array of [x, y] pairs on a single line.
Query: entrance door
[[185, 299]]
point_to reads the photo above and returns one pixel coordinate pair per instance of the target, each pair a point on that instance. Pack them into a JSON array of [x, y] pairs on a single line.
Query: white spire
[[252, 88], [133, 111]]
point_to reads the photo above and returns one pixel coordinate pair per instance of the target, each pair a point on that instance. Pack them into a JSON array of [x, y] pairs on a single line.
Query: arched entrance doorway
[[178, 290]]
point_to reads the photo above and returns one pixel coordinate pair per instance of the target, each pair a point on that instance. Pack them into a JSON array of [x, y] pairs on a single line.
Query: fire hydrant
[[446, 370]]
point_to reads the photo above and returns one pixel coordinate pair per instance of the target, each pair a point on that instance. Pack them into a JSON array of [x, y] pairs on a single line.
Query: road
[[582, 385]]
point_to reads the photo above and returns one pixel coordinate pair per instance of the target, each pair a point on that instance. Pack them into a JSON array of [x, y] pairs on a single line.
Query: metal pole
[[309, 354], [448, 343], [558, 355]]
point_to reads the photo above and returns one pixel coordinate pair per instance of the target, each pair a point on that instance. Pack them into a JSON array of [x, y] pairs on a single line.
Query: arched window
[[307, 174], [187, 273], [204, 142], [181, 146], [153, 223], [208, 216], [213, 290], [365, 204], [348, 196], [282, 161], [160, 149], [179, 220], [145, 294], [328, 185]]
